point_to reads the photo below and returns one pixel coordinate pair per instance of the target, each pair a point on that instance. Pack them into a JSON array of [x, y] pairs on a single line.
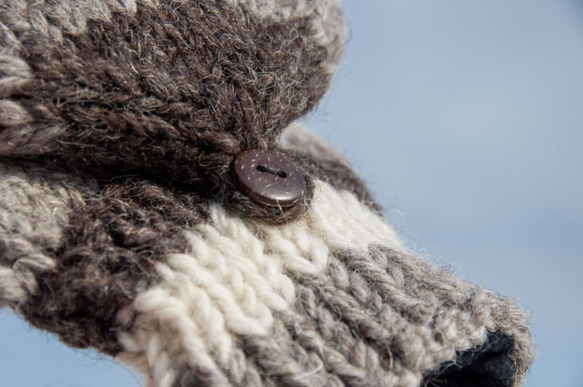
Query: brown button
[[269, 178]]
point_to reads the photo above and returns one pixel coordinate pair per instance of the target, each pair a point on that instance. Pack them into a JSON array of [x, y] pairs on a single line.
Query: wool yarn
[[122, 228]]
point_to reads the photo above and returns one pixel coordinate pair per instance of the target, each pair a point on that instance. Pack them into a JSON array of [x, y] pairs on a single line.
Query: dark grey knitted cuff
[[125, 224]]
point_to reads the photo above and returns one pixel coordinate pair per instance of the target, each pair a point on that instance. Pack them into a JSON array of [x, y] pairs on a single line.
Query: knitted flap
[[123, 229]]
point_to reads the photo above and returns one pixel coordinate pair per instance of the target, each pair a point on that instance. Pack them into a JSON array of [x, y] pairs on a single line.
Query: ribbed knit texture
[[121, 228]]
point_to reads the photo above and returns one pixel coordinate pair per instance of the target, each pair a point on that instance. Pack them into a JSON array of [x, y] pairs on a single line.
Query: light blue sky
[[466, 119]]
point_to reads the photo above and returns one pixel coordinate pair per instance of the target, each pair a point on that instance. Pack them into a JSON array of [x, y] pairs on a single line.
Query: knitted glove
[[160, 203]]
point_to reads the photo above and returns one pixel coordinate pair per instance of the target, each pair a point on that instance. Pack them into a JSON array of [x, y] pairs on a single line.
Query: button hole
[[273, 171]]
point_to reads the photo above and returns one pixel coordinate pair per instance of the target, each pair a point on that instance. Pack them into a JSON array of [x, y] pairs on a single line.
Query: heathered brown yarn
[[121, 228], [171, 91], [34, 205], [106, 257]]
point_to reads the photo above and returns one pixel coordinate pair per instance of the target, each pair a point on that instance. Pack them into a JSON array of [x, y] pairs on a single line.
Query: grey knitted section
[[105, 258], [35, 205], [384, 319]]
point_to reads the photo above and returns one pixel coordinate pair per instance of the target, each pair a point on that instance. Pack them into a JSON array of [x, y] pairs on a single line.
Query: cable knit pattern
[[123, 229]]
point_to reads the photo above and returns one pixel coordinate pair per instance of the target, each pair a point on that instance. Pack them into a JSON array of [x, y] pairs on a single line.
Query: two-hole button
[[269, 178]]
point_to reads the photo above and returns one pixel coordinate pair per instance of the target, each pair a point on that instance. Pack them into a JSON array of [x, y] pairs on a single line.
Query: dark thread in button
[[278, 172], [269, 178]]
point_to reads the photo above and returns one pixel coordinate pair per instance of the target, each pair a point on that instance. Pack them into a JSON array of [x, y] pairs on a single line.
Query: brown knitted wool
[[122, 228]]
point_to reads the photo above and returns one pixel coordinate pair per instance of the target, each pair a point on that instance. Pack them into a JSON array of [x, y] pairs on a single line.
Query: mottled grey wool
[[121, 227]]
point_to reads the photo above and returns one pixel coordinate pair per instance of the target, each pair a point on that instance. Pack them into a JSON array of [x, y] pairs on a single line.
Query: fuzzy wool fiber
[[122, 228]]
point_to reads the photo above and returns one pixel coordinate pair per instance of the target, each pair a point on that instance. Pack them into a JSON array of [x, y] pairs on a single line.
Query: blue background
[[466, 120]]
